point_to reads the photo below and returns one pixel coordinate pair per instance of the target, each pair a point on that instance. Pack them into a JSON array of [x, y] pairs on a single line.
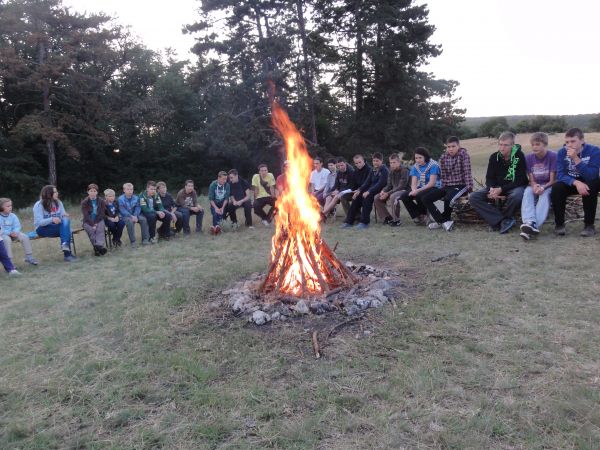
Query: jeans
[[534, 208], [560, 192], [414, 205], [61, 230], [491, 213], [130, 224], [152, 218], [434, 194], [231, 208], [115, 228], [186, 214], [216, 217], [5, 259]]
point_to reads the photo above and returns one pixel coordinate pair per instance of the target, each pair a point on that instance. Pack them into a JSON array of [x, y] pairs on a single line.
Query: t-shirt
[[319, 179], [94, 210], [238, 190], [256, 182], [112, 209], [541, 168], [424, 172]]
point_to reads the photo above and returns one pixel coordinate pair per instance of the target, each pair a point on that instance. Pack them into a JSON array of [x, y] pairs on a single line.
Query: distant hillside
[[579, 120]]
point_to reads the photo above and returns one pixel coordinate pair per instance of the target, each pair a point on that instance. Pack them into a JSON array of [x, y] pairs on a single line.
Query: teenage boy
[[263, 184], [387, 201], [456, 179], [171, 209], [131, 213], [506, 177], [364, 197], [281, 181], [218, 195], [113, 221], [318, 180], [153, 210], [541, 170], [187, 205], [240, 191], [577, 166], [342, 189]]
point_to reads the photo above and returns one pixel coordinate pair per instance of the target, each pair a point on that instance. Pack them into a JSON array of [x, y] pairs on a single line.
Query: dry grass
[[498, 348]]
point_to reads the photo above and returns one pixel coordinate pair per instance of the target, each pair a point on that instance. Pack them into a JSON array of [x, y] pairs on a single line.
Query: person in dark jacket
[[240, 195], [506, 177], [342, 189], [113, 221], [171, 209], [364, 197], [387, 202], [93, 209]]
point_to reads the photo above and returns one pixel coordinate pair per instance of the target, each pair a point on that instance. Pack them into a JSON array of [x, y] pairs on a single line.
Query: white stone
[[301, 307], [260, 317]]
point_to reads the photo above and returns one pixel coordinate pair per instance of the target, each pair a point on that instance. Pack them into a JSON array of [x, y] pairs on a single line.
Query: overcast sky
[[510, 56]]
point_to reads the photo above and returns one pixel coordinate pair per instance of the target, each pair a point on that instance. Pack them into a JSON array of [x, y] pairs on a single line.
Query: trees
[[493, 127], [595, 123]]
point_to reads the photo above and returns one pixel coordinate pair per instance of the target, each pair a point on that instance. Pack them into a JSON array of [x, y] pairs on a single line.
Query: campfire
[[302, 264]]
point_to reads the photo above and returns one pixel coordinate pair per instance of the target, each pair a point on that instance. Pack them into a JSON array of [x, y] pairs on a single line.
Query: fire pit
[[304, 275]]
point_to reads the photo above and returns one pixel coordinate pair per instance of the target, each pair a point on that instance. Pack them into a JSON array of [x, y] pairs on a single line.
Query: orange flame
[[297, 219]]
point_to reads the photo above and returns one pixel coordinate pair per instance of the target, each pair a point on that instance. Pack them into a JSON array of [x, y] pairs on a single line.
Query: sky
[[510, 57]]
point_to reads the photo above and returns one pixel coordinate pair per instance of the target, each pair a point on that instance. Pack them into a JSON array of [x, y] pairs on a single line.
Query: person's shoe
[[560, 230], [102, 251], [251, 227], [218, 229], [117, 244], [96, 250], [395, 223], [14, 273], [420, 220], [529, 228], [153, 240], [346, 225], [212, 230], [434, 226], [387, 220], [494, 228], [146, 242], [448, 225], [65, 247], [70, 258], [361, 226], [525, 235], [133, 244], [588, 231], [31, 260], [265, 223], [507, 224]]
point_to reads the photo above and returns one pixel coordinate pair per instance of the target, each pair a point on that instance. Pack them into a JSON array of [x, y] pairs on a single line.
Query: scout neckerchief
[[512, 169], [423, 173]]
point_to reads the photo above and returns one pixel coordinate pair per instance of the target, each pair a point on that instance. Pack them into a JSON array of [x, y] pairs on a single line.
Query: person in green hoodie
[[153, 209], [218, 195]]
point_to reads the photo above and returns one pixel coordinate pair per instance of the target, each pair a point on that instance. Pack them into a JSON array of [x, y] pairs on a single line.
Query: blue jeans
[[4, 259], [534, 208], [216, 218], [61, 230]]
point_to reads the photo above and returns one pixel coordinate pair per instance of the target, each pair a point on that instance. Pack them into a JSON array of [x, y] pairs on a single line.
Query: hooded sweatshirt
[[41, 217], [10, 224], [587, 169], [507, 174]]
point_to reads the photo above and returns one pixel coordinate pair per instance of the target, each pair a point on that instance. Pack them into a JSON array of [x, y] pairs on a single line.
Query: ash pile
[[374, 288]]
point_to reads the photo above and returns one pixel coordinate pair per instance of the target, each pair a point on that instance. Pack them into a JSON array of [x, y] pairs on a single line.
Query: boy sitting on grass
[[11, 231], [218, 195]]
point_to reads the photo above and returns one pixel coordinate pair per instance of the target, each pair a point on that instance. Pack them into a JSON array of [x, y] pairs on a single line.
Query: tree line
[[83, 101]]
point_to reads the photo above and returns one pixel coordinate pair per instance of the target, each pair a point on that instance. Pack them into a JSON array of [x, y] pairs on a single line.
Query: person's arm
[[562, 173], [589, 170], [467, 171], [123, 211], [381, 181], [38, 216], [158, 204], [365, 186], [137, 209], [143, 202], [247, 197], [490, 174], [16, 225], [85, 213]]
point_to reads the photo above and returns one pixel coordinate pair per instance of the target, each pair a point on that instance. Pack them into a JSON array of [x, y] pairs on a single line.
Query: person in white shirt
[[318, 180]]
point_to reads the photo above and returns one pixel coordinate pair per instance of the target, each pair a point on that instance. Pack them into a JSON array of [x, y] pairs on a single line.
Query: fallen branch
[[315, 344], [449, 255], [342, 324]]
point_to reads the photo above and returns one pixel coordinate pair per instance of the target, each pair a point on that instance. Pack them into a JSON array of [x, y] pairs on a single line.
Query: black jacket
[[376, 180], [498, 169], [344, 180], [360, 176]]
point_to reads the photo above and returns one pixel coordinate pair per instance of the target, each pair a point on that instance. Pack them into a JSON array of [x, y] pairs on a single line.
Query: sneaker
[[152, 240], [494, 228], [525, 235], [96, 251], [265, 223], [420, 220], [250, 227], [588, 231], [361, 226], [14, 273], [507, 224], [395, 223], [117, 244], [65, 247], [388, 220], [434, 226], [218, 229], [448, 225], [134, 244], [102, 251], [31, 260], [70, 258], [529, 228], [560, 230], [146, 242], [346, 225]]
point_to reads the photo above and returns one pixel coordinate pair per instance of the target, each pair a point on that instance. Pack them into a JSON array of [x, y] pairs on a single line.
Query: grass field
[[497, 348]]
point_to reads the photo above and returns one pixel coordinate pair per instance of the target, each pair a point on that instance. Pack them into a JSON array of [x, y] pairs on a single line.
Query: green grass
[[494, 348]]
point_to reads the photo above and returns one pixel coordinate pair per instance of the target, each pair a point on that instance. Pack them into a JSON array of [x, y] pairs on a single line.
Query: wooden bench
[[73, 233]]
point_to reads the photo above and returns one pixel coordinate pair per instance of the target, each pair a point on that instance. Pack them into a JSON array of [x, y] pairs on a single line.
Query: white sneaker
[[448, 225], [265, 223], [434, 226], [14, 273]]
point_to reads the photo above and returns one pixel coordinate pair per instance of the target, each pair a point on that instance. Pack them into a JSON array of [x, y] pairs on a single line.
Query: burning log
[[301, 263]]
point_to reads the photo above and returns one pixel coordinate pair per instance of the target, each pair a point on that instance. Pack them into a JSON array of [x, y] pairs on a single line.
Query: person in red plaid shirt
[[457, 180]]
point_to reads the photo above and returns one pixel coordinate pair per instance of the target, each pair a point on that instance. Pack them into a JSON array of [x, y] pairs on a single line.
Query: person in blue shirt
[[51, 220], [11, 231], [577, 166], [424, 175], [131, 212], [93, 210]]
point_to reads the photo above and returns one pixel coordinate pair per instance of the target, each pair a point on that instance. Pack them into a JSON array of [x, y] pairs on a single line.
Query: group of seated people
[[513, 180]]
